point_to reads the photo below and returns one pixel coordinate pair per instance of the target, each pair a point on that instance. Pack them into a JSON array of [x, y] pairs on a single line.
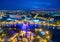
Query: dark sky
[[29, 4]]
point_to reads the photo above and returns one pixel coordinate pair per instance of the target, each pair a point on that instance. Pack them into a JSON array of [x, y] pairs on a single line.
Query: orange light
[[44, 40], [47, 32], [48, 37], [40, 29]]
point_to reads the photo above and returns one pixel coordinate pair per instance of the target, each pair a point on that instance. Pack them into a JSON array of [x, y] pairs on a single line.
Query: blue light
[[9, 19], [36, 20], [43, 33], [0, 17]]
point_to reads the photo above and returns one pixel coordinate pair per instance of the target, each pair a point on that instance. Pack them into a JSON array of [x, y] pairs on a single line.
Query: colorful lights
[[38, 28]]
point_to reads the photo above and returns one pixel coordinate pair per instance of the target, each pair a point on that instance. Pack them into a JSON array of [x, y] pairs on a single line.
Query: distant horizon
[[34, 9]]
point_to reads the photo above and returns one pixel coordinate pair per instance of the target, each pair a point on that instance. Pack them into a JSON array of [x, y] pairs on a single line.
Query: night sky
[[29, 4]]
